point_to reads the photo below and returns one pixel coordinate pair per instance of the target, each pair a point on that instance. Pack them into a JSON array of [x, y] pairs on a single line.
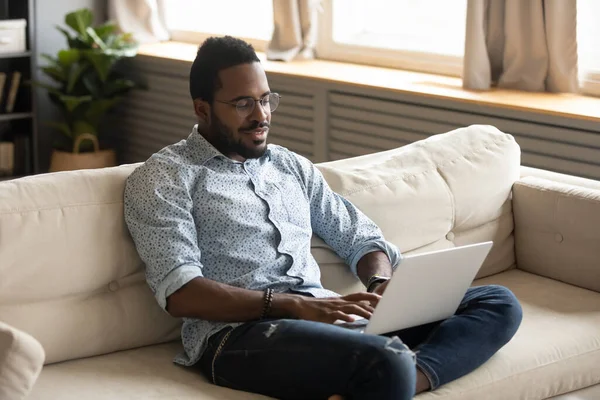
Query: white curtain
[[521, 44], [144, 18], [295, 30]]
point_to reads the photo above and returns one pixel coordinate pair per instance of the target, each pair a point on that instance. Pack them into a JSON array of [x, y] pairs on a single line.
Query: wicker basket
[[65, 161]]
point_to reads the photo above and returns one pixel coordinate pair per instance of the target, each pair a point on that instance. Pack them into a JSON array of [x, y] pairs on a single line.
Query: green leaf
[[105, 30], [68, 57], [92, 83], [101, 62], [120, 53], [118, 86], [72, 102], [81, 126], [80, 43], [62, 127], [51, 60], [98, 108], [49, 88], [56, 73], [80, 20], [96, 38], [74, 75], [65, 32]]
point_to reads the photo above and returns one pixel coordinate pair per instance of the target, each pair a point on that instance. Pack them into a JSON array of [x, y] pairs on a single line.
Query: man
[[223, 222]]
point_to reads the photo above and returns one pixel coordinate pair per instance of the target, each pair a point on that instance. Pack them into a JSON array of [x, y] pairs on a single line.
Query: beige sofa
[[70, 276]]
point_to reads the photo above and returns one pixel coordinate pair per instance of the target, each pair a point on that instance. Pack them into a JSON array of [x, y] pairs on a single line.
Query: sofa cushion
[[69, 272], [140, 374], [21, 360], [556, 350], [444, 191]]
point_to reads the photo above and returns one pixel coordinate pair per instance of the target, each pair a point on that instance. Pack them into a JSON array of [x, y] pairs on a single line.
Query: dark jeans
[[297, 359]]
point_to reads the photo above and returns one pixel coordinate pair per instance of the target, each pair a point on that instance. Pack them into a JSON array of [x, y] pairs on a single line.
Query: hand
[[331, 309], [379, 289]]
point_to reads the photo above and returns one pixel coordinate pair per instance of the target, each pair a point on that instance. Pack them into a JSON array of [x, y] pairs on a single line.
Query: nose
[[260, 112]]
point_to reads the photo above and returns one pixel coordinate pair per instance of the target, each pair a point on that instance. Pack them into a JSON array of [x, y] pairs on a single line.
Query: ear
[[202, 110]]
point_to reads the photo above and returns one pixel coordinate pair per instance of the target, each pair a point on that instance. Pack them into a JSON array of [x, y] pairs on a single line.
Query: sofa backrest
[[71, 277], [69, 272], [448, 190]]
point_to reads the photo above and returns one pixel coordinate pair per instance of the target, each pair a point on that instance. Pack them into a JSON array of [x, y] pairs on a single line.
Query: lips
[[257, 134]]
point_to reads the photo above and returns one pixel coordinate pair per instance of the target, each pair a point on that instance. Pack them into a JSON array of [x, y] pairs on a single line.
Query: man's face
[[236, 136]]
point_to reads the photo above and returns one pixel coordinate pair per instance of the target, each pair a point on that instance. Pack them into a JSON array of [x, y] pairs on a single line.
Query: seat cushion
[[556, 350], [147, 373]]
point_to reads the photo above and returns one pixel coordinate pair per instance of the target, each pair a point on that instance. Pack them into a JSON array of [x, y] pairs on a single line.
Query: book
[[12, 94], [7, 162], [2, 83], [22, 151]]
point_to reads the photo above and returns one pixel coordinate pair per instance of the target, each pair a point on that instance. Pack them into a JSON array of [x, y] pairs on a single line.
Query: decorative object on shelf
[[7, 161], [91, 81], [65, 161], [12, 92], [12, 35]]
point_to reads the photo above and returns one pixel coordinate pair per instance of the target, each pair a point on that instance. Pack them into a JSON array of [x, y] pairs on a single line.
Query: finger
[[340, 315], [372, 298], [367, 306], [356, 309]]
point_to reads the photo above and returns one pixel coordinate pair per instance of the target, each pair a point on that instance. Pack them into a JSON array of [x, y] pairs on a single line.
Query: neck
[[215, 143]]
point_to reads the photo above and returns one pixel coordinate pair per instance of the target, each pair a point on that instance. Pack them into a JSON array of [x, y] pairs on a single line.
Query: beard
[[227, 142]]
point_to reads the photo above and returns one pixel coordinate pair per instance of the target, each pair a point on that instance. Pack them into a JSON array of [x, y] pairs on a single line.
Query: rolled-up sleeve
[[346, 229], [157, 208]]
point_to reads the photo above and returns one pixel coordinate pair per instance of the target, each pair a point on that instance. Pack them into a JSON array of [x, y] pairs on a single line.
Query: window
[[195, 20], [422, 35], [588, 45]]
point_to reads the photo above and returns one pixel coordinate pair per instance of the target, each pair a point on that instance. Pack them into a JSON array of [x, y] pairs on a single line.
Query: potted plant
[[90, 81]]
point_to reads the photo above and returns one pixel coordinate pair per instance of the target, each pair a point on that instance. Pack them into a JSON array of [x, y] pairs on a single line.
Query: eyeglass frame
[[260, 100]]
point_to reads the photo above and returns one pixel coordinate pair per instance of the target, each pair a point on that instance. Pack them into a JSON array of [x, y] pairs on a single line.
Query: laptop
[[425, 288]]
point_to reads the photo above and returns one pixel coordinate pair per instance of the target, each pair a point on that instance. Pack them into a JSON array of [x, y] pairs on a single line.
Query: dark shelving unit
[[20, 125]]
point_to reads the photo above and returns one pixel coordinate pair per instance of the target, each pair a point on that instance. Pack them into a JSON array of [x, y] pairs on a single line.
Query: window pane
[[242, 18], [588, 36], [427, 26]]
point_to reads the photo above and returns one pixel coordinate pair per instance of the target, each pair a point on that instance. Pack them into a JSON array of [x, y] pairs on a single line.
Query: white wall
[[48, 14]]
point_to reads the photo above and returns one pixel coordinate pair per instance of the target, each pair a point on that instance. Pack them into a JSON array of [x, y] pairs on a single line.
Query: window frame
[[197, 37], [589, 84], [328, 49]]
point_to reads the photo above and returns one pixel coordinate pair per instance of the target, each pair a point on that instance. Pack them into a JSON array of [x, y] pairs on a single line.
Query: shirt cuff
[[174, 281], [392, 252]]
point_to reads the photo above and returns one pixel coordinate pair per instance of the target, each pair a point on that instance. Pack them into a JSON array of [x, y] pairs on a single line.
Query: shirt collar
[[204, 151]]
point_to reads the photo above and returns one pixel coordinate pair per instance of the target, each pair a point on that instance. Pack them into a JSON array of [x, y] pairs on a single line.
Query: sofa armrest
[[21, 361], [557, 231]]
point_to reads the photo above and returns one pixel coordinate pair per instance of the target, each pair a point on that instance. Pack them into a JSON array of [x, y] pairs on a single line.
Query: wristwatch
[[375, 281]]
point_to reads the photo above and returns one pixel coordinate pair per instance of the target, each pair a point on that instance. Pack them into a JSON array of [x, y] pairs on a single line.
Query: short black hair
[[214, 55]]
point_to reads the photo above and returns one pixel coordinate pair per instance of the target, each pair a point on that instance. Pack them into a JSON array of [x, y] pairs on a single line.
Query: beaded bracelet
[[268, 299]]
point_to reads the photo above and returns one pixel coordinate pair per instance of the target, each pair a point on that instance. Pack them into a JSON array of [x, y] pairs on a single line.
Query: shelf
[[13, 116], [21, 54]]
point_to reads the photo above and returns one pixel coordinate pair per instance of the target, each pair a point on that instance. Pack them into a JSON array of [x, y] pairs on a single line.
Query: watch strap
[[376, 280]]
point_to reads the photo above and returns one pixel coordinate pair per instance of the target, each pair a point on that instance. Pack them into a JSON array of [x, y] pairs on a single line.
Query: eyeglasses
[[245, 106]]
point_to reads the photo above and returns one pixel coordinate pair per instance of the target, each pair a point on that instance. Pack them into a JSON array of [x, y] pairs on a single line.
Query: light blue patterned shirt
[[192, 212]]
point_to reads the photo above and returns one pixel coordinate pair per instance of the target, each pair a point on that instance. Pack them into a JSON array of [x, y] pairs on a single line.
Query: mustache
[[256, 125]]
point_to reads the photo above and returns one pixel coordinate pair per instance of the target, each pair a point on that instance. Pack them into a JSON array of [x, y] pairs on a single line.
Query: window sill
[[436, 86]]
